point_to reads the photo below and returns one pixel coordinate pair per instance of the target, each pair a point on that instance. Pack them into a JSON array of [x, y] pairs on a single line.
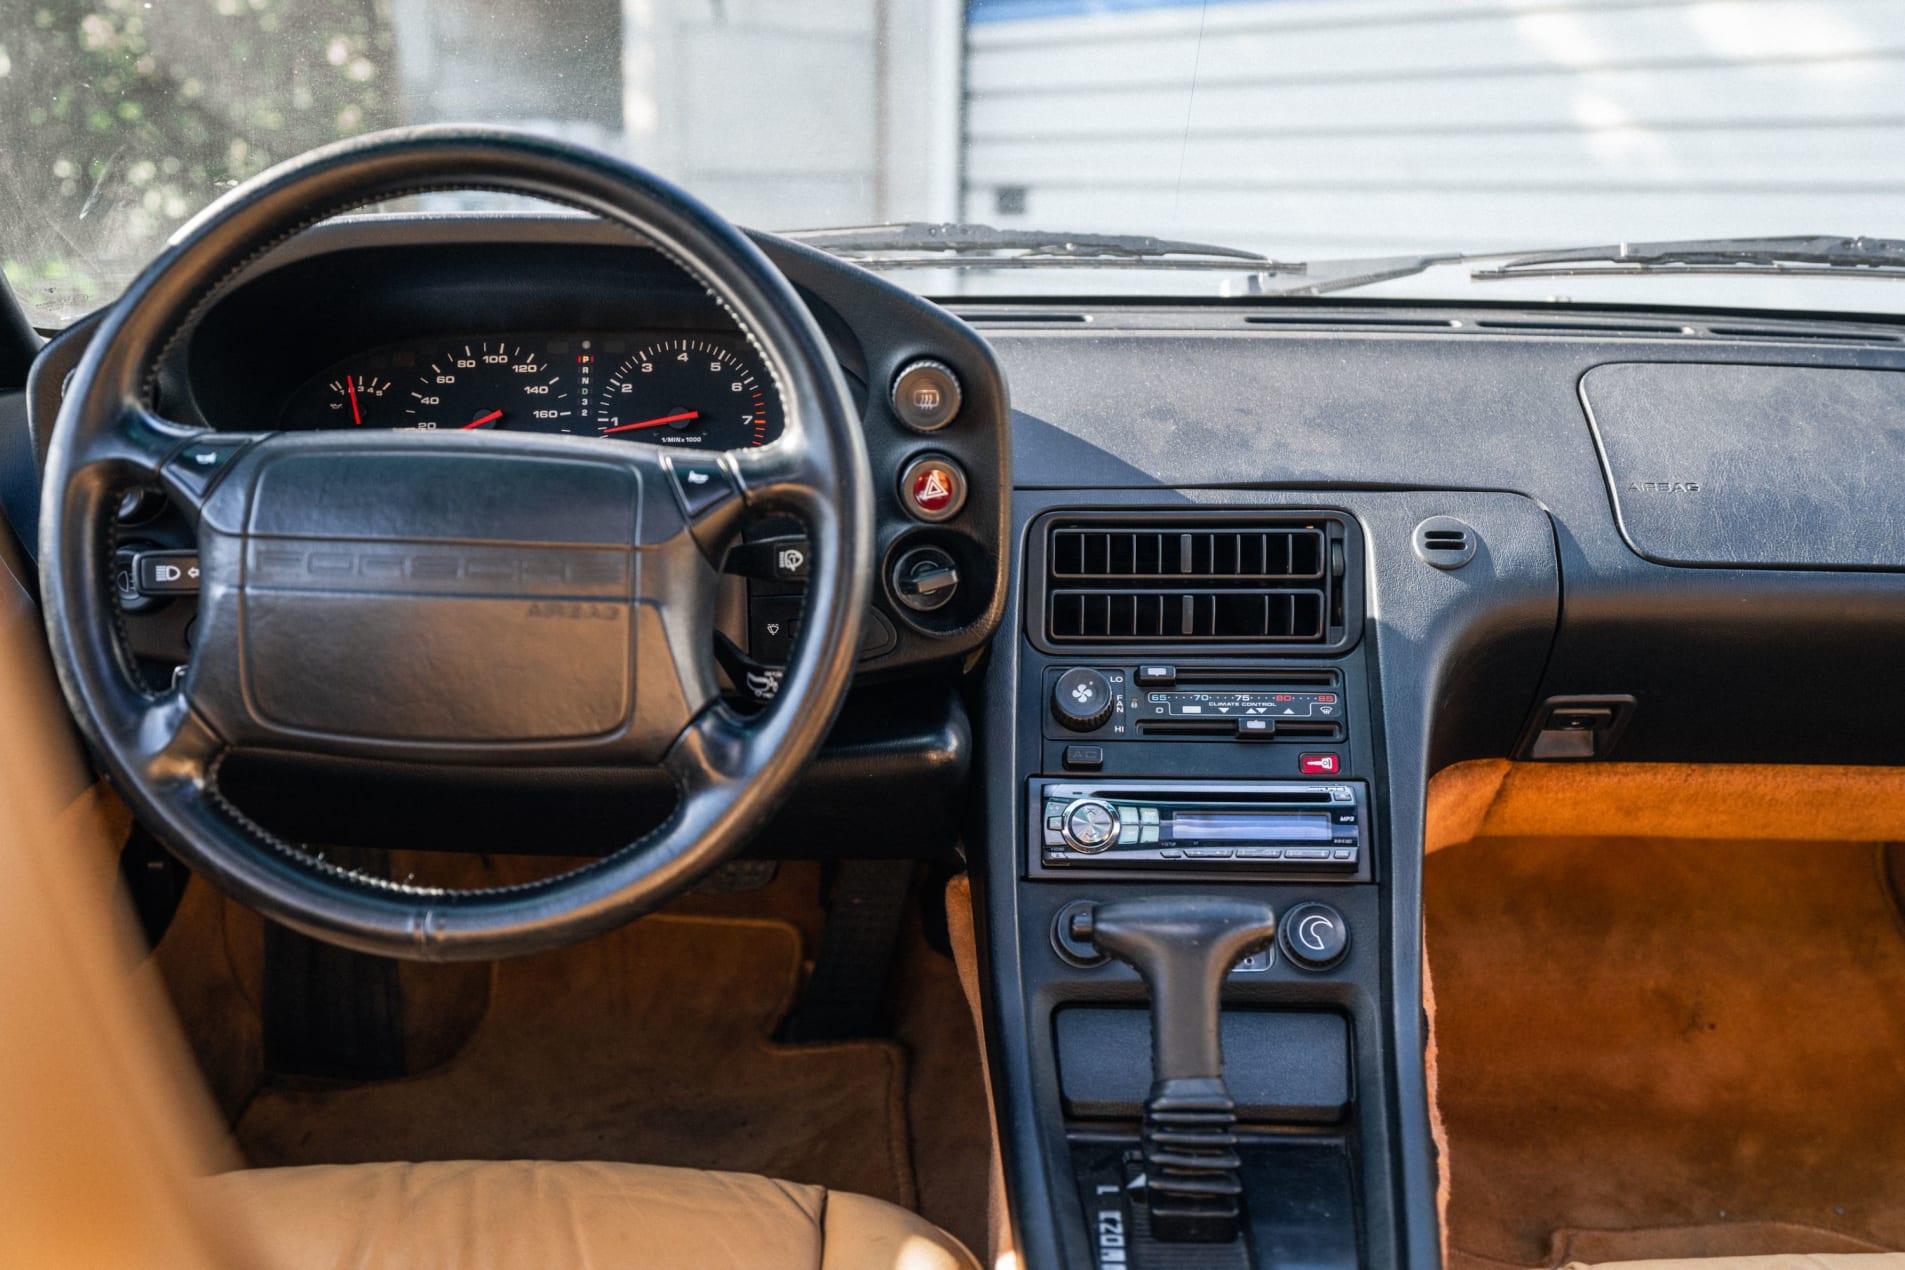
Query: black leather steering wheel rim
[[163, 750]]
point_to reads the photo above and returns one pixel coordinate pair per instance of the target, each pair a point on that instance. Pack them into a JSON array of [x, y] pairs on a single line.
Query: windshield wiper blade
[[1802, 255], [1808, 255], [952, 245]]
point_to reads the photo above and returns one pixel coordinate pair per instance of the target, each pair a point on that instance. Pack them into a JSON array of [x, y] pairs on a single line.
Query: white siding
[[786, 115], [1351, 127]]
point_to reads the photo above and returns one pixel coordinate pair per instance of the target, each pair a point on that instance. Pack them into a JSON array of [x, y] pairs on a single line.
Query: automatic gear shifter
[[1183, 946]]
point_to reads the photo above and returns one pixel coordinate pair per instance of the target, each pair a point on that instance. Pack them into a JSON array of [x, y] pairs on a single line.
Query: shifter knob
[[1183, 946]]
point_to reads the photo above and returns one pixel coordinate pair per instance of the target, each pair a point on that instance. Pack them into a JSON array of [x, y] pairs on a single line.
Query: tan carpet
[[649, 1045], [946, 1095], [1654, 1047]]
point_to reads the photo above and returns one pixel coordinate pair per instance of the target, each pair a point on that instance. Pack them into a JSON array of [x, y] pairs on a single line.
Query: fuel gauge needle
[[491, 417]]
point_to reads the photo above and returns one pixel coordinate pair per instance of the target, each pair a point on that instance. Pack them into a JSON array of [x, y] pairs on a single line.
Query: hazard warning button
[[933, 488]]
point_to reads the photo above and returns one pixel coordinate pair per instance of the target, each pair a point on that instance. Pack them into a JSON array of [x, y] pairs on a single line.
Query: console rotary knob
[[1091, 824], [1081, 699]]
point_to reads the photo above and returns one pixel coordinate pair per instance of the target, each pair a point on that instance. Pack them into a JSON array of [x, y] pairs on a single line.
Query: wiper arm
[[952, 245], [1812, 256], [1324, 276]]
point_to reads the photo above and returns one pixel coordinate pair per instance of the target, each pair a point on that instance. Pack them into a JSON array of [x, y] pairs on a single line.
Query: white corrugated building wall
[[1313, 128], [1302, 128]]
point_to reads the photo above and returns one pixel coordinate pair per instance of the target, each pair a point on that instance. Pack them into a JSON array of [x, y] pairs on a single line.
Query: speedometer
[[487, 384], [693, 391]]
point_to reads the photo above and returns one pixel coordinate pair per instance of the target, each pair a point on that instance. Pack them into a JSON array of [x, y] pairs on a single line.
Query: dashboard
[[701, 389], [1262, 560]]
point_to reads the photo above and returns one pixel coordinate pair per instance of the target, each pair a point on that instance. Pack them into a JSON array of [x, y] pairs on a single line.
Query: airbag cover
[[479, 598], [1754, 465]]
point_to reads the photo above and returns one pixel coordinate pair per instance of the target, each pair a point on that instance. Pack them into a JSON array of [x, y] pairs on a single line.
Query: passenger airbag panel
[[1753, 465]]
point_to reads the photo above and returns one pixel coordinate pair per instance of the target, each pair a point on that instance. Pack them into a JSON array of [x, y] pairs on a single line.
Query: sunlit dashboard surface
[[706, 390]]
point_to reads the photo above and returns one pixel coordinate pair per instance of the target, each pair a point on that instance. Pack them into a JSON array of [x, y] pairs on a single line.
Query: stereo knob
[[1081, 699], [1090, 825]]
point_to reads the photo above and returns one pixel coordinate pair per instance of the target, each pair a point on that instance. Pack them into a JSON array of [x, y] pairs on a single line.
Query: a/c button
[[1084, 758]]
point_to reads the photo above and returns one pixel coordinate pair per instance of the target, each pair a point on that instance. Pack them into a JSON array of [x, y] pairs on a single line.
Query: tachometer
[[487, 384], [691, 392]]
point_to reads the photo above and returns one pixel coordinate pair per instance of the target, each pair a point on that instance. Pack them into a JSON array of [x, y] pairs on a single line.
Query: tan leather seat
[[111, 1156], [482, 1215]]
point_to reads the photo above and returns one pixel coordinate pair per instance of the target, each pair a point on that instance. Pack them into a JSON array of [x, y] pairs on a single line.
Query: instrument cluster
[[704, 390]]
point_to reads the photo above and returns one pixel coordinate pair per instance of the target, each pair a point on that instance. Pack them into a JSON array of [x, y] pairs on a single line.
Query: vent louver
[[1445, 542], [1261, 581]]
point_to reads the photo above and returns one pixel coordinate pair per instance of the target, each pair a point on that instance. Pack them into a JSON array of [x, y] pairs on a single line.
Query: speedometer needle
[[477, 423], [653, 423]]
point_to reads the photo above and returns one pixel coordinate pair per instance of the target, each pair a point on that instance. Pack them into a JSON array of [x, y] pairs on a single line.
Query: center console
[[1197, 763], [1197, 859]]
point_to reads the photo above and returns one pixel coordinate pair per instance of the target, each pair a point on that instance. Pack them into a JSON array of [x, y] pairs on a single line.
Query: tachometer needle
[[653, 423], [491, 417], [350, 386]]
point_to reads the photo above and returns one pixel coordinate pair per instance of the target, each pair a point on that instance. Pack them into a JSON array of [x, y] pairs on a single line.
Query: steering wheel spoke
[[171, 745], [143, 447], [194, 465], [712, 751], [147, 439], [782, 477]]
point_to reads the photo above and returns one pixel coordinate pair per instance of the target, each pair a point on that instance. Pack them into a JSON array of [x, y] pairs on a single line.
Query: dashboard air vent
[[1216, 580], [1179, 552]]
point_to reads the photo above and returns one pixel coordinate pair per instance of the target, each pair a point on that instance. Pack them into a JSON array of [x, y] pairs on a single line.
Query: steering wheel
[[478, 599]]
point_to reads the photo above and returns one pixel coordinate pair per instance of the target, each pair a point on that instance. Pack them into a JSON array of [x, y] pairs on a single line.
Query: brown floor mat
[[1655, 1046], [596, 1052]]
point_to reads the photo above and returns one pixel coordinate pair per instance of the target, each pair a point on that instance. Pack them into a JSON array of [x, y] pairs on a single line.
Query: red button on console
[[933, 488], [1317, 764]]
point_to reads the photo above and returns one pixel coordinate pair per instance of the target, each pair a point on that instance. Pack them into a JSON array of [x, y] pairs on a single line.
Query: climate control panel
[[1162, 701]]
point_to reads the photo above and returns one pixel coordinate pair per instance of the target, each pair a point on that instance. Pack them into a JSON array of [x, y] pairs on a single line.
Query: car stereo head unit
[[1271, 827]]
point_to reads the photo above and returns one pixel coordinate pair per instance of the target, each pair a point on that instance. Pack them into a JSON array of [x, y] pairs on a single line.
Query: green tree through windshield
[[136, 110]]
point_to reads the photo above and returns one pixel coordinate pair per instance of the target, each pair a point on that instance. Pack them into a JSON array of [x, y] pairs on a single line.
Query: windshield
[[1299, 130]]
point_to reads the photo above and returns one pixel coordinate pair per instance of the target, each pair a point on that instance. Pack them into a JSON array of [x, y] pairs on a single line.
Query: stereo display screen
[[1251, 826]]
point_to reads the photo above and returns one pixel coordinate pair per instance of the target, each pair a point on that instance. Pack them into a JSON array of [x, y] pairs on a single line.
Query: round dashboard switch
[[1082, 699], [926, 395], [1313, 935], [933, 488]]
